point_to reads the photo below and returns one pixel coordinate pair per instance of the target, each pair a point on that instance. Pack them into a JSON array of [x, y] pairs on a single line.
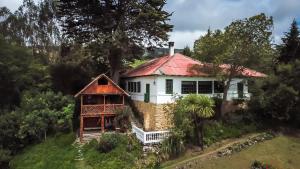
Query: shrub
[[109, 141], [122, 118], [260, 165], [173, 146]]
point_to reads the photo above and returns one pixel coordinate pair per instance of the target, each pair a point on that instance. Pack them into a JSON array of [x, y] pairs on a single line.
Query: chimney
[[171, 48]]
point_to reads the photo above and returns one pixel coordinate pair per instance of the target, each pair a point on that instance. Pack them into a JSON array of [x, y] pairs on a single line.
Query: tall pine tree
[[290, 49], [119, 27]]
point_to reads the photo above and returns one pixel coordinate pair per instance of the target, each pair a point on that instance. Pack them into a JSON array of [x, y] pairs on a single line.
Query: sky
[[192, 18]]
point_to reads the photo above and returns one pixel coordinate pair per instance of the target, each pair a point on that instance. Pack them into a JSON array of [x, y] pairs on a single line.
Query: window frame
[[169, 87], [194, 85]]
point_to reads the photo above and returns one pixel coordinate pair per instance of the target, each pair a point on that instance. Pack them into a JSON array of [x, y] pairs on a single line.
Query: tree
[[190, 113], [243, 43], [120, 28], [209, 46], [34, 25], [187, 51], [290, 49]]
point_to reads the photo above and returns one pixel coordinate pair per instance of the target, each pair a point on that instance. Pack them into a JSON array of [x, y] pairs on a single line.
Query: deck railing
[[100, 108], [150, 137]]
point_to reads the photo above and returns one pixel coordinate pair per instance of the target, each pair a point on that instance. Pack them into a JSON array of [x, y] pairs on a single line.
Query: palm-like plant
[[199, 107]]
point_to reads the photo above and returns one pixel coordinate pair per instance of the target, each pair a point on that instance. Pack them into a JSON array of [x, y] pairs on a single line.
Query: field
[[282, 152]]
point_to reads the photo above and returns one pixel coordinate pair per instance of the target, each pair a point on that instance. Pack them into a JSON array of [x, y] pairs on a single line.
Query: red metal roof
[[180, 65]]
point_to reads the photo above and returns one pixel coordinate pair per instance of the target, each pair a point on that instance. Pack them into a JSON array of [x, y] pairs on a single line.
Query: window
[[204, 87], [129, 86], [218, 87], [169, 86], [102, 81], [188, 87], [138, 87], [134, 87]]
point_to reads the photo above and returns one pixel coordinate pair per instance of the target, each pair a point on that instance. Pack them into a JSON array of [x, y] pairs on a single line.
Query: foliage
[[174, 145], [260, 165], [244, 42], [109, 141], [122, 118], [189, 115], [264, 102], [34, 25], [56, 151], [216, 131], [128, 27], [19, 71], [137, 62], [289, 49], [187, 51]]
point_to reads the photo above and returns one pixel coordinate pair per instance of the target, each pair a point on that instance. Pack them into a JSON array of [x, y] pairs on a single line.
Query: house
[[98, 101], [154, 84]]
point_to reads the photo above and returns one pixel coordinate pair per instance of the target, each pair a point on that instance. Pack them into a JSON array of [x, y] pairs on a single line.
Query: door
[[147, 94], [240, 88]]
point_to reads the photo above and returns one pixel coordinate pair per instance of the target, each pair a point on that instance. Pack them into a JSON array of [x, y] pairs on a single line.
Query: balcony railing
[[100, 108], [150, 137]]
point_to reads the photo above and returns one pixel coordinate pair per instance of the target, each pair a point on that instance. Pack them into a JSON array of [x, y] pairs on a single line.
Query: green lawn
[[59, 153], [282, 152]]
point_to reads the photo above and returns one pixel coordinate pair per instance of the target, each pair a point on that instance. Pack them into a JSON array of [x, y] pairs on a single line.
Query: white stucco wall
[[158, 86]]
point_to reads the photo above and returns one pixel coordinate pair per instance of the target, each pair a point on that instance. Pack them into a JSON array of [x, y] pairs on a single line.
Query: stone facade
[[156, 117]]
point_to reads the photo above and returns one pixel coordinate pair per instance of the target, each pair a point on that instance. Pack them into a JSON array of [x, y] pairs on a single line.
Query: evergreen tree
[[187, 51], [290, 49], [120, 28]]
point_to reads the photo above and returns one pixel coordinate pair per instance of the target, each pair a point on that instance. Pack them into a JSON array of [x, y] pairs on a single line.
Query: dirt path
[[212, 153]]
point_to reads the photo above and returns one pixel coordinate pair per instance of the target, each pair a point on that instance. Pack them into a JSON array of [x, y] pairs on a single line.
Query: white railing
[[150, 137]]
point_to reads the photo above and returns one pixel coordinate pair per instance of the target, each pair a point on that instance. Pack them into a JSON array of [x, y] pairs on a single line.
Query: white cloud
[[12, 5], [185, 38]]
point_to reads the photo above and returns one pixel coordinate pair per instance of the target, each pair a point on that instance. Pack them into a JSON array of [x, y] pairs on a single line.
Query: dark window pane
[[138, 87], [102, 81], [128, 86], [134, 86], [218, 87], [205, 87], [188, 87], [169, 86]]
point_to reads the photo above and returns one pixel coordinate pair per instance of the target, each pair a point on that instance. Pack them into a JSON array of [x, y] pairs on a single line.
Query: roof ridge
[[170, 57]]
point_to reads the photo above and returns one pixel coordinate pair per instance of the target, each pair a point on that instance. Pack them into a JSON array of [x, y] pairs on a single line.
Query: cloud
[[185, 38], [190, 16], [12, 5]]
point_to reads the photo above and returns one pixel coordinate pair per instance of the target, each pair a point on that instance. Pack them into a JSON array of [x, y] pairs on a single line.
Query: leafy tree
[[190, 113], [209, 46], [290, 49], [243, 43], [20, 71], [119, 28], [34, 25], [187, 51]]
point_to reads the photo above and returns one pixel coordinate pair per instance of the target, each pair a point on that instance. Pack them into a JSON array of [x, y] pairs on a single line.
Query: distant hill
[[157, 52]]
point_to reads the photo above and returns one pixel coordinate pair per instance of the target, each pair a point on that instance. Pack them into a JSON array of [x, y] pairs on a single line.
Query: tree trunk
[[224, 98], [115, 64], [199, 131]]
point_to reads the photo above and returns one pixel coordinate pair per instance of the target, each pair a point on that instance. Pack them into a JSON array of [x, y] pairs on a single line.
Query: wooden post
[[104, 104], [102, 123], [81, 128], [81, 119], [123, 100]]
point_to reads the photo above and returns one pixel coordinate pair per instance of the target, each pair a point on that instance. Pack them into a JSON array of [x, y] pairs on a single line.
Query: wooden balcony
[[100, 109]]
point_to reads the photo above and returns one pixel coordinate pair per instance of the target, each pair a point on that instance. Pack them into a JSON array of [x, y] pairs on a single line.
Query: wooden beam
[[123, 100], [81, 119]]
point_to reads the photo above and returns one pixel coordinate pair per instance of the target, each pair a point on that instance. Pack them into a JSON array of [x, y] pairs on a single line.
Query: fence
[[150, 137]]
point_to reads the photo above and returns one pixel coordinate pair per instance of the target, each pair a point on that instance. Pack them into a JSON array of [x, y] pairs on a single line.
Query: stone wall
[[155, 115]]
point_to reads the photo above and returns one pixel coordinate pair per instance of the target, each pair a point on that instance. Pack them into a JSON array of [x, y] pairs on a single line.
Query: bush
[[216, 131], [109, 141], [122, 118], [260, 165], [173, 146]]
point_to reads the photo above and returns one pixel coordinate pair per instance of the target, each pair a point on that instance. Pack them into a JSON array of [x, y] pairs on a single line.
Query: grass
[[56, 152], [59, 153], [281, 152]]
